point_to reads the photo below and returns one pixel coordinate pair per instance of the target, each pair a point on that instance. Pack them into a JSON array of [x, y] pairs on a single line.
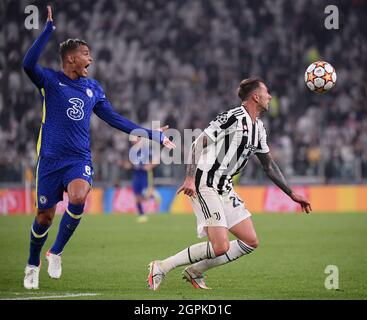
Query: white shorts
[[214, 210]]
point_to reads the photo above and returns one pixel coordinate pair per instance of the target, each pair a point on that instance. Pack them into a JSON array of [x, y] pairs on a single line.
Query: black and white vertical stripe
[[236, 137], [203, 204]]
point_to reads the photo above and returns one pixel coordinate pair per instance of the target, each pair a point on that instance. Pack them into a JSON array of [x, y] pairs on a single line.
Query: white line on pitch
[[31, 292], [55, 296]]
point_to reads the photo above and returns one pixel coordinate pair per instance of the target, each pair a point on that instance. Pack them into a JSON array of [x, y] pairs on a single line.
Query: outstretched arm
[[30, 66], [273, 172], [105, 111]]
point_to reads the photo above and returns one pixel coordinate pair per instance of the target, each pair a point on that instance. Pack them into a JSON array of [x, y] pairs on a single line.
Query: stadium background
[[180, 62], [169, 61]]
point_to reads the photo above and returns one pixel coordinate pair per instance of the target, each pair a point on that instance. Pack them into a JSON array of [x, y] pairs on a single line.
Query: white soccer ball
[[320, 76]]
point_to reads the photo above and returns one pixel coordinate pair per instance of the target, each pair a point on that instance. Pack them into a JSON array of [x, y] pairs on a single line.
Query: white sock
[[236, 250], [190, 255]]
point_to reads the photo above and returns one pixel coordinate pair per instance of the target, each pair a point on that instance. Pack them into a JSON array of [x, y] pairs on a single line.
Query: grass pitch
[[107, 258]]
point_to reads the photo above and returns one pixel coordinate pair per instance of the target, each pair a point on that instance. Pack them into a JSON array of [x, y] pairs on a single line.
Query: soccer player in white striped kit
[[218, 154]]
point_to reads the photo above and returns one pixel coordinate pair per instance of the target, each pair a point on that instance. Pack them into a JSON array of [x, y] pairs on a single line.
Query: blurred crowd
[[180, 62]]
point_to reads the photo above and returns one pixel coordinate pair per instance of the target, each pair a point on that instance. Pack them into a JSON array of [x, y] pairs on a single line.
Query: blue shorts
[[53, 177], [140, 183]]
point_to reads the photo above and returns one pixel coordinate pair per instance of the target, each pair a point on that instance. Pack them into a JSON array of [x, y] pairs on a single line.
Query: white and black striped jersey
[[235, 139]]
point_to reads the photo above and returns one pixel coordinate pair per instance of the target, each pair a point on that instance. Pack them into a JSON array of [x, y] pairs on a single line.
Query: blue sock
[[140, 208], [68, 224], [39, 235]]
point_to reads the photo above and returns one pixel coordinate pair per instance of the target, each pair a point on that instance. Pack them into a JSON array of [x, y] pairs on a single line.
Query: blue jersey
[[67, 107], [141, 158], [140, 174]]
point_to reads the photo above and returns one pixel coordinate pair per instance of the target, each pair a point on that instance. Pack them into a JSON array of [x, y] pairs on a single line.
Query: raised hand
[[167, 142], [49, 13]]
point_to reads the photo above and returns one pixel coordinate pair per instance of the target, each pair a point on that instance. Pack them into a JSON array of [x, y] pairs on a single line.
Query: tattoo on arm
[[273, 172], [196, 149]]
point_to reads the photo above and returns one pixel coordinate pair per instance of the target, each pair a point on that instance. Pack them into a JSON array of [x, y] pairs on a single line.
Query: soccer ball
[[320, 76]]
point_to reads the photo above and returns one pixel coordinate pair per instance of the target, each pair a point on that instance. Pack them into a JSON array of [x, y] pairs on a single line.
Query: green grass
[[109, 254]]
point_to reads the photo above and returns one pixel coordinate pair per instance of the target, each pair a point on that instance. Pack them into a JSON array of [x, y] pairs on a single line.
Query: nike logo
[[86, 175], [61, 84]]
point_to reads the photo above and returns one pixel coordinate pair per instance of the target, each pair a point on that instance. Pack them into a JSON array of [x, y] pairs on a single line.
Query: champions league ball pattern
[[222, 118], [320, 76]]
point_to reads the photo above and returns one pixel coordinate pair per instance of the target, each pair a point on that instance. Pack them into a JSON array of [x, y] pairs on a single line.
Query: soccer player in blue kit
[[142, 178], [63, 148]]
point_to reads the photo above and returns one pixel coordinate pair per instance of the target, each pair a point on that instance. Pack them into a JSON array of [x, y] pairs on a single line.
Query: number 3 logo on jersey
[[76, 112]]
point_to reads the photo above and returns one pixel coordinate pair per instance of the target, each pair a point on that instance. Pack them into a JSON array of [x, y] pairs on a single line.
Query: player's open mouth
[[86, 67]]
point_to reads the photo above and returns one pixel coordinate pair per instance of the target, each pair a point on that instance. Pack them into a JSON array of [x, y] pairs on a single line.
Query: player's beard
[[264, 107]]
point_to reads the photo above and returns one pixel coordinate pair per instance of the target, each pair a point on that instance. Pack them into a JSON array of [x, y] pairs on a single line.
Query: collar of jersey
[[67, 79], [244, 109]]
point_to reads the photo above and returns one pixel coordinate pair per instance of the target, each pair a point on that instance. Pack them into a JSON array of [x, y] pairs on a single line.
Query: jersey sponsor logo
[[89, 93], [76, 112], [251, 148]]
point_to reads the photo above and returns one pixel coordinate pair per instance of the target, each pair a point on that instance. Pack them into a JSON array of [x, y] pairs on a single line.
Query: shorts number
[[236, 201], [88, 170]]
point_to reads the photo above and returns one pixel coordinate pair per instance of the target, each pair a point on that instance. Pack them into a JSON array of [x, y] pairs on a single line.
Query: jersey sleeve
[[225, 123], [105, 111], [262, 146], [34, 71]]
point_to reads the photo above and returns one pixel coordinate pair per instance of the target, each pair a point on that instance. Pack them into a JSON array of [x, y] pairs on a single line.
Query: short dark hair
[[70, 45], [247, 86]]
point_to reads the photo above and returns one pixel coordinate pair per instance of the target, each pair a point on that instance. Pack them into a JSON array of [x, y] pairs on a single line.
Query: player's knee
[[254, 243], [220, 248], [43, 218], [77, 198]]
